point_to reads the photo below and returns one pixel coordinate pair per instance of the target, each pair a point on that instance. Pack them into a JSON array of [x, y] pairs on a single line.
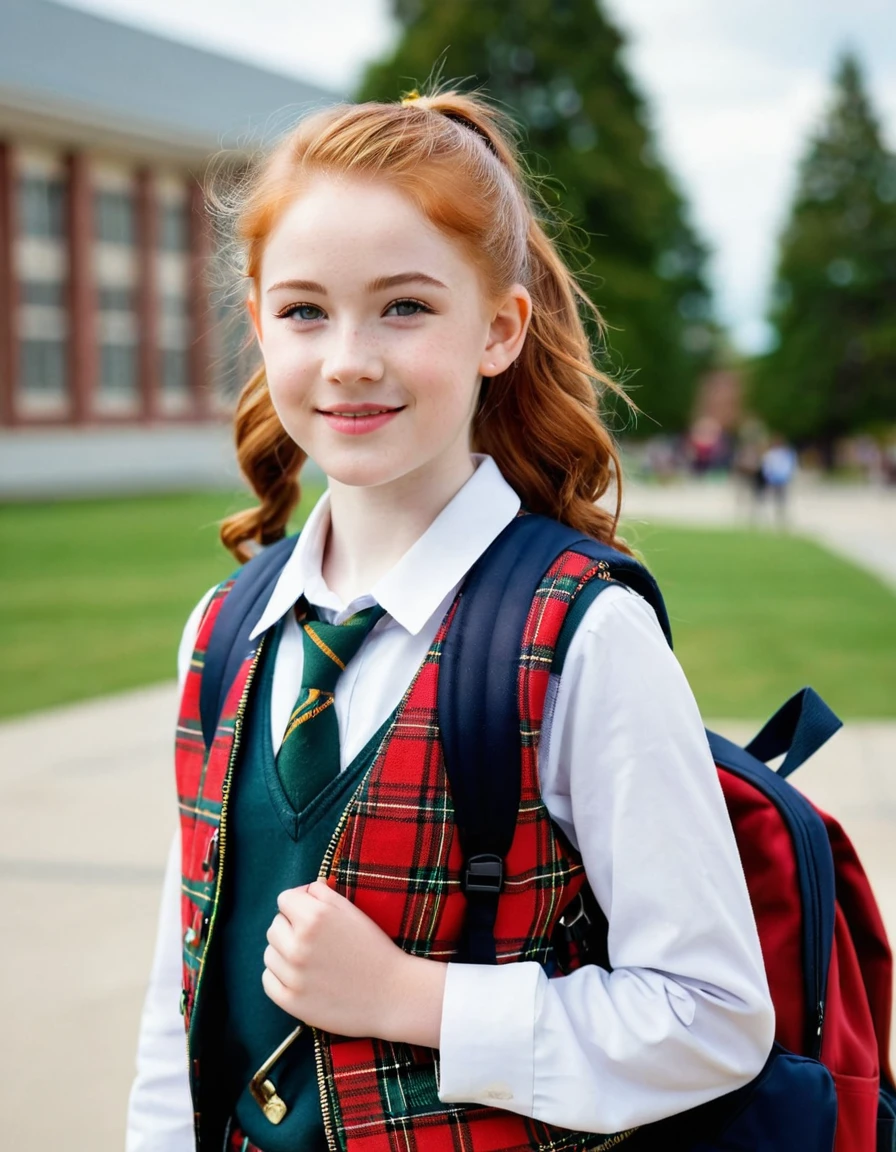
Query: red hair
[[453, 156]]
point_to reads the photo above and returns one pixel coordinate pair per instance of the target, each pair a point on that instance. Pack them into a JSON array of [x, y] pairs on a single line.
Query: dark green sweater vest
[[271, 848]]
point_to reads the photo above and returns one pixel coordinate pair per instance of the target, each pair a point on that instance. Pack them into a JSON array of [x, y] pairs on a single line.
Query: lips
[[359, 410], [358, 419], [356, 415]]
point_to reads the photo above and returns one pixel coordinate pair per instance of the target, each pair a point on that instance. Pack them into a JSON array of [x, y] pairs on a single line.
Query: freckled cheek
[[441, 402], [289, 373], [440, 376]]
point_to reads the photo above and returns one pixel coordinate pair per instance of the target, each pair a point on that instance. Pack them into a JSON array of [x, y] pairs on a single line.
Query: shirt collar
[[415, 587]]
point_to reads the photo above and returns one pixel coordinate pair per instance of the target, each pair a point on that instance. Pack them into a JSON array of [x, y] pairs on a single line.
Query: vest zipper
[[219, 853], [315, 1032], [616, 1140]]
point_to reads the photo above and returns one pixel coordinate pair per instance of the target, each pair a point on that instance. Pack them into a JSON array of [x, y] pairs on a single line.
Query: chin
[[370, 473]]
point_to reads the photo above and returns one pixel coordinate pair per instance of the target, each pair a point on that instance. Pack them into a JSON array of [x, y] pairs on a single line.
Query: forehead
[[339, 227]]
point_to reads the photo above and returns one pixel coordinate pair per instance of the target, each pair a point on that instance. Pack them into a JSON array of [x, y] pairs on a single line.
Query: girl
[[422, 344]]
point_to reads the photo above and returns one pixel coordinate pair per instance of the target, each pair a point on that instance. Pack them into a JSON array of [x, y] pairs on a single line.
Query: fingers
[[281, 933], [289, 902], [276, 991], [298, 924], [292, 899], [287, 973], [283, 938]]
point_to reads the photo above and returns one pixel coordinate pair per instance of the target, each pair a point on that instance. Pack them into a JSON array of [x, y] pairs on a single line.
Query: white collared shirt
[[626, 773]]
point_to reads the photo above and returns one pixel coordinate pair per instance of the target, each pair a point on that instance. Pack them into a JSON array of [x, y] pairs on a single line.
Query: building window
[[42, 209], [42, 272], [174, 232], [175, 372], [118, 370], [43, 294], [42, 372], [115, 299], [174, 367], [172, 301], [114, 217], [115, 274]]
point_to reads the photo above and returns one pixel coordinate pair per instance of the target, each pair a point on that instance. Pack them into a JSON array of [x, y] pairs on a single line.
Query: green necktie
[[309, 755]]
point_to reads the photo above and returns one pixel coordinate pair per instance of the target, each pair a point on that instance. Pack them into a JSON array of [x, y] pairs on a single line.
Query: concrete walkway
[[858, 522], [88, 813]]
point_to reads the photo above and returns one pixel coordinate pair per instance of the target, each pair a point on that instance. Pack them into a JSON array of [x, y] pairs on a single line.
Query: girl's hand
[[330, 966]]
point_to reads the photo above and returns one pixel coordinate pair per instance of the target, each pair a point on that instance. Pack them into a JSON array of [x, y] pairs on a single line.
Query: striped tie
[[309, 755]]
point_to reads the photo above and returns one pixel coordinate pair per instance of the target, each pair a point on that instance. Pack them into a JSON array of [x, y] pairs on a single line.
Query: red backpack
[[814, 908]]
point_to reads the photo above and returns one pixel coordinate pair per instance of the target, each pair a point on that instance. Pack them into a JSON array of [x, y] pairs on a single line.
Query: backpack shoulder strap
[[478, 705], [240, 612]]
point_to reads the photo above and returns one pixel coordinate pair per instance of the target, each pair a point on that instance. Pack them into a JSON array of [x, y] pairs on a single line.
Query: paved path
[[88, 813], [859, 522]]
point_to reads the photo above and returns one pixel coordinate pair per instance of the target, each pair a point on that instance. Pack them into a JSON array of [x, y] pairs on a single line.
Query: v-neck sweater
[[271, 847]]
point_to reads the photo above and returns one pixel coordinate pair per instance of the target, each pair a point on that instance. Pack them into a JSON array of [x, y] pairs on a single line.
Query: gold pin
[[263, 1091]]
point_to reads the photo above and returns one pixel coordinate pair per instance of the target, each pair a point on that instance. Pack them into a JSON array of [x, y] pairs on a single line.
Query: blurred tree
[[832, 369], [556, 66]]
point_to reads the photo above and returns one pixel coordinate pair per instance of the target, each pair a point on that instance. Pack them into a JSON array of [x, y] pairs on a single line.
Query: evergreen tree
[[556, 67], [832, 370]]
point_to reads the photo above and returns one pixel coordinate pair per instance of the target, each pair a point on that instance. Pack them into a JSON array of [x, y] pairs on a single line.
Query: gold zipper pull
[[263, 1091]]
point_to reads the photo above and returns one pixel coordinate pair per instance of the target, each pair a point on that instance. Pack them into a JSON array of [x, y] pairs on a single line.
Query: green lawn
[[757, 615], [94, 594]]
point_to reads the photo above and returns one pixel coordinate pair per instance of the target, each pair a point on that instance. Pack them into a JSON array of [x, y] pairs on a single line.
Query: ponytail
[[271, 462]]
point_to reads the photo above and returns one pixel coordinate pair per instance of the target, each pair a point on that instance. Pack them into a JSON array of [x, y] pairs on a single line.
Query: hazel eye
[[407, 308]]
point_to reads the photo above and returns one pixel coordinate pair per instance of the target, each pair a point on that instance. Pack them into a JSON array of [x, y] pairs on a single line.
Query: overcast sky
[[734, 85]]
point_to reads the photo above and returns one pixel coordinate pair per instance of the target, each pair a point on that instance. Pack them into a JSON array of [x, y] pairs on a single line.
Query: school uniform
[[624, 773]]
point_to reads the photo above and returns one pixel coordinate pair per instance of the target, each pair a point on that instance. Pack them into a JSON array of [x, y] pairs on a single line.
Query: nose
[[352, 356]]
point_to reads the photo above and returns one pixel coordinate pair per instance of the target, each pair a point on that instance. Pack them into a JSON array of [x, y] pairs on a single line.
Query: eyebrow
[[379, 285]]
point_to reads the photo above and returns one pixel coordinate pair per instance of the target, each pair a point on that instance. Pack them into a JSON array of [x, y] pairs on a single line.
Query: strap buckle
[[484, 873]]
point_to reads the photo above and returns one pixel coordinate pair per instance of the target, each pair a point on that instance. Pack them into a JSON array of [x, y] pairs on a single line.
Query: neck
[[372, 528]]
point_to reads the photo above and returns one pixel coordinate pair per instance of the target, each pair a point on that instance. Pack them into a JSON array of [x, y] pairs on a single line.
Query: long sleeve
[[685, 1014], [160, 1111]]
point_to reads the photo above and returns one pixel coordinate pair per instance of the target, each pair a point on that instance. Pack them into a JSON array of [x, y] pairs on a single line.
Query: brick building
[[108, 316]]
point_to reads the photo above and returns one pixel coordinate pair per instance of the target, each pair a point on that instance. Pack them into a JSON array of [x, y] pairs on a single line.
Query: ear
[[507, 331], [252, 309]]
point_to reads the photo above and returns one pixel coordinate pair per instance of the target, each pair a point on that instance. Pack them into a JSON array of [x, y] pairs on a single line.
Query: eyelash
[[290, 312]]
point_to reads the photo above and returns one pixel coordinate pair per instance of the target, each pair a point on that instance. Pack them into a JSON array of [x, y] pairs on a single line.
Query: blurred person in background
[[752, 440], [707, 445], [779, 465]]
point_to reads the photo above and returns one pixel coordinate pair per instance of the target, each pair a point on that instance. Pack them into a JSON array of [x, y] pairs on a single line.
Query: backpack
[[827, 1083]]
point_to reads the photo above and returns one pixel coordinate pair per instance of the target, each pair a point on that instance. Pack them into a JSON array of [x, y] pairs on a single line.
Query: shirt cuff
[[487, 1039]]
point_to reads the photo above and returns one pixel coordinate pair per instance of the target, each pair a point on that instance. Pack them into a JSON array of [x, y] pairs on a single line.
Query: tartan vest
[[395, 854]]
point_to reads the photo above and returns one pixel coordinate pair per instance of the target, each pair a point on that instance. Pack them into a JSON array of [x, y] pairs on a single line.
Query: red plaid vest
[[396, 854]]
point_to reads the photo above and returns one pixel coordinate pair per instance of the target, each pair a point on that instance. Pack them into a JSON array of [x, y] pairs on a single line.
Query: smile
[[359, 415], [355, 421]]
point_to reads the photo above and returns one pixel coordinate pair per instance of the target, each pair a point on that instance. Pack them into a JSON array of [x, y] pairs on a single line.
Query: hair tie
[[466, 122], [408, 98]]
